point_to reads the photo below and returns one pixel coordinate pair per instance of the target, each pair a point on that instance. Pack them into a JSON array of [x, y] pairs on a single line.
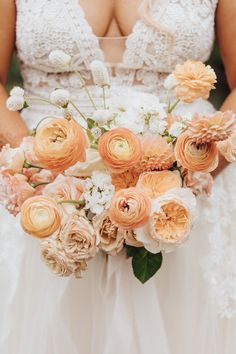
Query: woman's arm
[[12, 128], [226, 35]]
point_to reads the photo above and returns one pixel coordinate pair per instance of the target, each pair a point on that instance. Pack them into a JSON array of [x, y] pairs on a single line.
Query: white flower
[[100, 73], [59, 58], [92, 163], [157, 125], [15, 103], [96, 132], [98, 192], [176, 129], [17, 91], [102, 116], [60, 97], [170, 82]]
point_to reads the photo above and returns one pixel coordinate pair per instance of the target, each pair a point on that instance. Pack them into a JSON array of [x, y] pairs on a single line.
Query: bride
[[189, 307]]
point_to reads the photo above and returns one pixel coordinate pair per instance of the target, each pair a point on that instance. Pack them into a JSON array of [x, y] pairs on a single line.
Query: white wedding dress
[[189, 307]]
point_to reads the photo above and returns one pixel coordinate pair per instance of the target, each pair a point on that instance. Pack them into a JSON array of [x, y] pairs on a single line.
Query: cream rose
[[78, 238], [111, 237], [170, 222]]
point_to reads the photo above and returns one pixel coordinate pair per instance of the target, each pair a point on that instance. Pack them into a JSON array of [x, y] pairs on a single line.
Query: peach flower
[[112, 238], [55, 258], [216, 127], [157, 183], [157, 154], [129, 208], [59, 144], [78, 238], [196, 157], [40, 176], [125, 180], [27, 145], [120, 149], [64, 188], [195, 80], [170, 222], [12, 160], [14, 190], [131, 239], [228, 148], [40, 216], [200, 183]]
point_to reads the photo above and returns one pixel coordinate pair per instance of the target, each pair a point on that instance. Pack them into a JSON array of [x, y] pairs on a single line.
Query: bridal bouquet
[[126, 176]]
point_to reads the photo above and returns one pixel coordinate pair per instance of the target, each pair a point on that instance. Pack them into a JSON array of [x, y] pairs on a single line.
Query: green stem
[[71, 202], [29, 165], [42, 100], [174, 105], [86, 89], [77, 109], [34, 185]]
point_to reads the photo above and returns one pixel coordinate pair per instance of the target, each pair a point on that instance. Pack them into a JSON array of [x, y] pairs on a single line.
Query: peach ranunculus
[[120, 149], [55, 257], [196, 157], [112, 237], [78, 238], [40, 216], [170, 222], [157, 154], [125, 180], [216, 127], [198, 182], [156, 183], [92, 163], [12, 160], [227, 148], [65, 188], [129, 208], [14, 190], [194, 80], [59, 144]]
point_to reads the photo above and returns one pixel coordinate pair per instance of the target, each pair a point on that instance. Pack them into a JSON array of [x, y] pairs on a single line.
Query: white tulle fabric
[[109, 311]]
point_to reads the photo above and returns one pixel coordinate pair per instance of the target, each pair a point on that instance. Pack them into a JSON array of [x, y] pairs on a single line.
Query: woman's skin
[[115, 18]]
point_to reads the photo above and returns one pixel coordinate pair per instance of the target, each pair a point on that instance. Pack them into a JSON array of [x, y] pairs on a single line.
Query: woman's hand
[[12, 127]]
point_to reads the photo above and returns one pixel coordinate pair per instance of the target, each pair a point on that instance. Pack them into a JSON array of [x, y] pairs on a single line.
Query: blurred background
[[217, 95]]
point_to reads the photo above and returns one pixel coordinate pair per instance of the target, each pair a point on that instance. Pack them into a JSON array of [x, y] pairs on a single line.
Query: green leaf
[[145, 264], [90, 123], [131, 251]]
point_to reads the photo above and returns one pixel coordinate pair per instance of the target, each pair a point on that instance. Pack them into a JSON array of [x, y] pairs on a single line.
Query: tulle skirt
[[188, 307]]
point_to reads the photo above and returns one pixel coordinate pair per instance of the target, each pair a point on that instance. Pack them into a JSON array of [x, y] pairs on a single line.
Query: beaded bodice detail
[[46, 25]]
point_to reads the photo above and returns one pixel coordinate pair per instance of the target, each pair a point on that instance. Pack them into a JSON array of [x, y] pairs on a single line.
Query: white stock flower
[[15, 103], [102, 116], [58, 58], [170, 82], [60, 97], [17, 91], [100, 73], [98, 192], [176, 129]]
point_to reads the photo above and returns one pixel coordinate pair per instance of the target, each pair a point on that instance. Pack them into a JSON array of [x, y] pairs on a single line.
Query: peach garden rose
[[40, 216], [59, 144], [158, 182], [120, 149], [227, 148], [196, 157], [129, 208]]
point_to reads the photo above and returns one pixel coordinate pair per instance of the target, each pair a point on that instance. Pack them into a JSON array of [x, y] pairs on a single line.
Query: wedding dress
[[189, 306]]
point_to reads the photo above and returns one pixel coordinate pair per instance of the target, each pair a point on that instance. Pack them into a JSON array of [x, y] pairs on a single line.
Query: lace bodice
[[46, 25]]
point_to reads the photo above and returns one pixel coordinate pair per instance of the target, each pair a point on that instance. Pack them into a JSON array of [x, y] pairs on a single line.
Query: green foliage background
[[217, 95]]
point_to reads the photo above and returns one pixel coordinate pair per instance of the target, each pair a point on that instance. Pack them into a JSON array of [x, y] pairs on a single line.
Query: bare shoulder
[[226, 34], [7, 35]]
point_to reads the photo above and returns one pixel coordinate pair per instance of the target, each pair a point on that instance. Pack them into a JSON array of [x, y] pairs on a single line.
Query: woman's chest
[[46, 25]]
